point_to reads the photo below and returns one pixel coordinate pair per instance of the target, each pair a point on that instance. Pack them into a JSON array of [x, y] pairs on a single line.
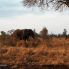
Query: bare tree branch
[[56, 3]]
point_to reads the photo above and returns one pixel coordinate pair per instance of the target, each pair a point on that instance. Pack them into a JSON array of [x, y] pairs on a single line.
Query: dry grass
[[20, 56]]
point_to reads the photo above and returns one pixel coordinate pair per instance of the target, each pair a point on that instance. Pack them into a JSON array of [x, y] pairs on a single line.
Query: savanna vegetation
[[27, 49]]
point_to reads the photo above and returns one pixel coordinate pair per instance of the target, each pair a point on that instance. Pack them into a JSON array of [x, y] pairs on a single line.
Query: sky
[[14, 15]]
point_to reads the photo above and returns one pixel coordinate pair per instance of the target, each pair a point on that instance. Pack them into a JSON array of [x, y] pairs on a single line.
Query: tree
[[65, 33], [36, 34], [10, 32], [3, 33], [46, 3], [44, 33]]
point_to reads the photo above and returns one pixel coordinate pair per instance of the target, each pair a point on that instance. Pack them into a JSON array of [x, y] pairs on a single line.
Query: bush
[[44, 33]]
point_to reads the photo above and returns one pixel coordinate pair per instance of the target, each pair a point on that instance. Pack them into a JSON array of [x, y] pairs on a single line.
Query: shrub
[[44, 33]]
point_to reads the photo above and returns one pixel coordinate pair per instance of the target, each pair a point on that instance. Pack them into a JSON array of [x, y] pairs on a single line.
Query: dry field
[[54, 51]]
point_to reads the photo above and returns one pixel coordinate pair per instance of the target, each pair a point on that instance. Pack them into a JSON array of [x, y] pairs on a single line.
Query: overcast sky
[[13, 15]]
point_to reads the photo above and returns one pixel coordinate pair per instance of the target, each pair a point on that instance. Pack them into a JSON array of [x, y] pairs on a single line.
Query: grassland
[[54, 51]]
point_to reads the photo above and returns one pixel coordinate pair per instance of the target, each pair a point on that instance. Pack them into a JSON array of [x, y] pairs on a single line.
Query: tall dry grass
[[20, 56]]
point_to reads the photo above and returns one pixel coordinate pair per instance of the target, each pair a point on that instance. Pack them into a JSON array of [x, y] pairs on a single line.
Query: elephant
[[23, 34]]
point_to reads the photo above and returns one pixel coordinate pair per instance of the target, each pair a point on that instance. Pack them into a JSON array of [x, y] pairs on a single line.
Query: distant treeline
[[43, 33], [13, 36]]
